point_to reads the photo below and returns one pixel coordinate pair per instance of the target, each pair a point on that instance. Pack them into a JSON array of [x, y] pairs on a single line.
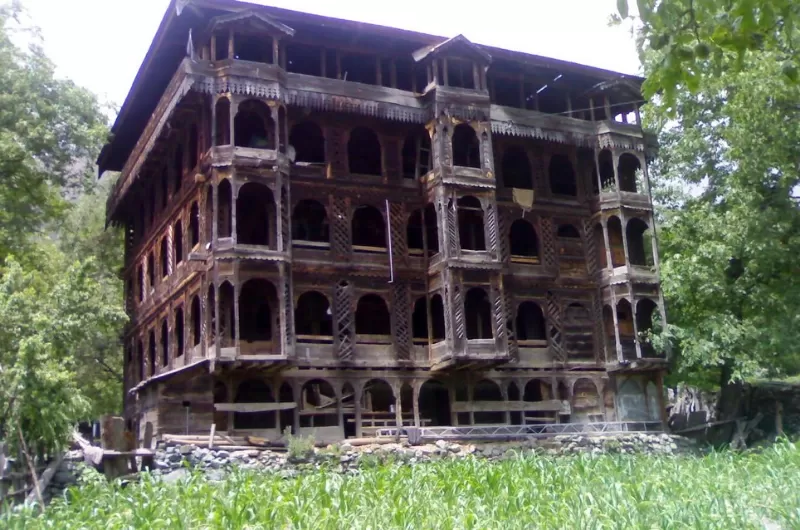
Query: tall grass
[[722, 490]]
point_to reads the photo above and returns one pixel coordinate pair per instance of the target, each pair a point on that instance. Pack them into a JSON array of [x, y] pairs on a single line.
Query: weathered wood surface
[[553, 405], [253, 407]]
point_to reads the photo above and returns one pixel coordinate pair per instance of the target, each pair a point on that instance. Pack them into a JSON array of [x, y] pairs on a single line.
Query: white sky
[[101, 43]]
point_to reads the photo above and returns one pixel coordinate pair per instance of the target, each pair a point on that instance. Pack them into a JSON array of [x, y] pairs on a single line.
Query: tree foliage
[[727, 179], [696, 38], [60, 297]]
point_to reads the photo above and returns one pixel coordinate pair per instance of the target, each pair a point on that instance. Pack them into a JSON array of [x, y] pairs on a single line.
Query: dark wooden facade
[[334, 227]]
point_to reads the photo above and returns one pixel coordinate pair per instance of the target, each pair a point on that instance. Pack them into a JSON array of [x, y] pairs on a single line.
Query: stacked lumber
[[219, 441]]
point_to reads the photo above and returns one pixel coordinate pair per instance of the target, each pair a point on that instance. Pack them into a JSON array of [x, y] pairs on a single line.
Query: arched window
[[197, 329], [466, 147], [222, 134], [628, 168], [318, 401], [470, 224], [419, 227], [255, 313], [600, 245], [177, 236], [141, 360], [606, 160], [211, 308], [227, 323], [523, 240], [364, 152], [254, 206], [372, 316], [308, 142], [164, 257], [253, 126], [368, 228], [194, 225], [615, 241], [254, 391], [645, 309], [610, 333], [562, 176], [416, 153], [478, 314], [516, 169], [310, 222], [530, 322], [224, 211], [151, 270], [164, 343], [625, 326], [485, 391], [152, 352], [437, 317], [419, 319], [434, 403], [313, 315], [377, 397], [639, 251], [179, 339]]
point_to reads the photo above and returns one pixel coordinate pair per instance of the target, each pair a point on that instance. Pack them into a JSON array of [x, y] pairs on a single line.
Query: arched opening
[[286, 415], [254, 205], [222, 133], [419, 228], [608, 330], [522, 239], [606, 160], [310, 222], [227, 323], [437, 317], [197, 329], [368, 229], [478, 314], [349, 410], [632, 403], [434, 404], [600, 245], [626, 331], [530, 322], [407, 404], [152, 352], [194, 225], [141, 360], [513, 395], [628, 169], [586, 402], [615, 241], [533, 391], [516, 169], [372, 316], [164, 257], [308, 142], [486, 391], [255, 310], [224, 211], [253, 126], [562, 176], [211, 309], [177, 242], [220, 393], [179, 344], [209, 216], [151, 270], [364, 152], [419, 320], [318, 405], [466, 147], [377, 405], [645, 309], [637, 244], [416, 153], [254, 391], [164, 343], [313, 316], [470, 224]]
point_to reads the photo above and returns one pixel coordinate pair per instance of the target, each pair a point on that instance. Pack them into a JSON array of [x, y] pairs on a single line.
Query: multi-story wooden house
[[335, 227]]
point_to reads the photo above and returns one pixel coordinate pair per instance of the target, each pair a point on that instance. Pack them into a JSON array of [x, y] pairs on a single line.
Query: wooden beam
[[552, 405], [253, 407]]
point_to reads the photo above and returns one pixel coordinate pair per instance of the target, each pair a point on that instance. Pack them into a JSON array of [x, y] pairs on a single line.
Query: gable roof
[[455, 44]]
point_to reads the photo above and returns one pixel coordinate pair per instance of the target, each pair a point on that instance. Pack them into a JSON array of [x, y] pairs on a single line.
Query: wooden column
[[231, 47]]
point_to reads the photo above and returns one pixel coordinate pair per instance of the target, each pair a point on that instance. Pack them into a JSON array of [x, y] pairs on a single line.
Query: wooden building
[[335, 227]]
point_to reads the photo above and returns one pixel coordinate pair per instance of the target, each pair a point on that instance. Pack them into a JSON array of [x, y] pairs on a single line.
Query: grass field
[[720, 490]]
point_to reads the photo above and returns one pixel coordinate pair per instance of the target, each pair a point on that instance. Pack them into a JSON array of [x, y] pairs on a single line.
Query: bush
[[298, 447]]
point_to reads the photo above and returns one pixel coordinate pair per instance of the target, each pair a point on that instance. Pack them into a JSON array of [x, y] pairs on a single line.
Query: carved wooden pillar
[[401, 321], [492, 228], [358, 391], [555, 322], [415, 388], [344, 321], [286, 310], [607, 241], [635, 326], [340, 226], [620, 356], [589, 246], [500, 314], [399, 233], [549, 258]]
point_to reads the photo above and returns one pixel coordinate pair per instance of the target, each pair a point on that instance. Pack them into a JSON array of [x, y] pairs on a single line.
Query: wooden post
[[113, 439]]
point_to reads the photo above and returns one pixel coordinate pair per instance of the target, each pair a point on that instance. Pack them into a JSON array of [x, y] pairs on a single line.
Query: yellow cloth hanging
[[523, 198]]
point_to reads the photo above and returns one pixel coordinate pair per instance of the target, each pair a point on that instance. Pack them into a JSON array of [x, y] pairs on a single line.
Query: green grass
[[722, 490]]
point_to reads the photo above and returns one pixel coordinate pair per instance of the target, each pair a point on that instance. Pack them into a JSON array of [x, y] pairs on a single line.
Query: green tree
[[697, 38], [727, 179]]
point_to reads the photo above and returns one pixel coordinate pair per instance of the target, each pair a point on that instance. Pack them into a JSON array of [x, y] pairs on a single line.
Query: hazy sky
[[101, 43]]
